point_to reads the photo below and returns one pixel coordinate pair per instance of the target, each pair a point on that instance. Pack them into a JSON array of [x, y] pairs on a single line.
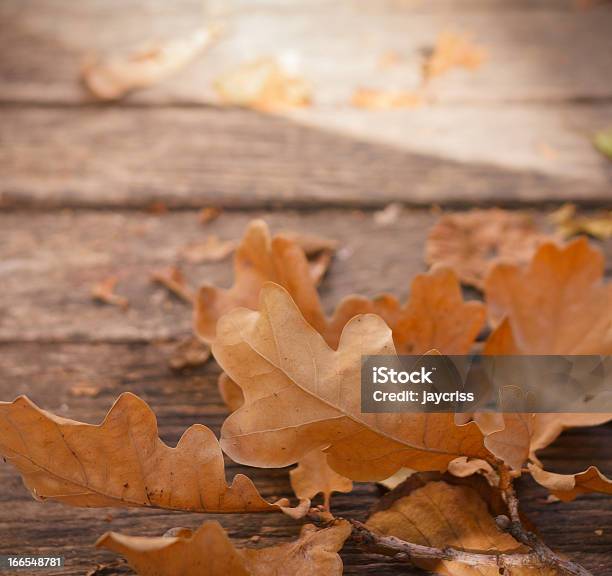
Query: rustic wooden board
[[48, 372], [130, 157], [337, 45], [49, 263]]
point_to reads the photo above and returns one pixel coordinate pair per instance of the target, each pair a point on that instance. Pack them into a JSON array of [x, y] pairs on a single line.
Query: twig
[[406, 551], [515, 528]]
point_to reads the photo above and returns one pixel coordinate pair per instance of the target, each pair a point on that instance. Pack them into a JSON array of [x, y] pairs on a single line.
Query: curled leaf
[[174, 281], [121, 462], [301, 395], [209, 551], [113, 78], [567, 486]]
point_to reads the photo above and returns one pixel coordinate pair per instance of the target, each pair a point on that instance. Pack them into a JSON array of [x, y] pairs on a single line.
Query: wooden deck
[[78, 179]]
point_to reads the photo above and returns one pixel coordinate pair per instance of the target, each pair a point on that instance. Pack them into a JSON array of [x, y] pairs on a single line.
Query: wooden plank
[[338, 45], [47, 373], [49, 263], [130, 157]]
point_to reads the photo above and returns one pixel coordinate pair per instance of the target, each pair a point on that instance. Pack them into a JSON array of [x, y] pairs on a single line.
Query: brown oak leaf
[[440, 514], [121, 462], [434, 316], [558, 304], [567, 486], [470, 242], [302, 395], [313, 476], [209, 552]]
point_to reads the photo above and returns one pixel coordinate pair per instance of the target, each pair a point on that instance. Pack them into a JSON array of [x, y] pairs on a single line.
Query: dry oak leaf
[[209, 552], [115, 77], [470, 242], [259, 258], [567, 486], [104, 291], [313, 476], [440, 514], [558, 304], [301, 395], [121, 462], [263, 85], [189, 353], [435, 315]]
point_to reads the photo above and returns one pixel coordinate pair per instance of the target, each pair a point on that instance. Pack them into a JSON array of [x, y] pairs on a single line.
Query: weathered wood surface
[[48, 373], [49, 263], [118, 157], [537, 51], [517, 130]]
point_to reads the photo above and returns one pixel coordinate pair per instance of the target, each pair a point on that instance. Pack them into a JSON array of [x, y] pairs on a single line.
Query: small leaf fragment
[[189, 353], [603, 142], [113, 78], [104, 291]]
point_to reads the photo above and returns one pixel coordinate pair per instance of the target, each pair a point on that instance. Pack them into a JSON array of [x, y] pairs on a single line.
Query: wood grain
[[49, 372], [338, 44], [125, 157]]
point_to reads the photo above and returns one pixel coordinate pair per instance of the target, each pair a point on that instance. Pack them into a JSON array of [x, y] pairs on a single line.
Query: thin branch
[[515, 528], [406, 551]]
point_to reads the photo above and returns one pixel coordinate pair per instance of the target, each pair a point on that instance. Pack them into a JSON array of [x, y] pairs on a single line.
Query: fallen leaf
[[208, 214], [115, 77], [84, 390], [388, 215], [173, 280], [569, 224], [104, 292], [313, 476], [603, 142], [471, 242], [435, 315], [209, 552], [598, 532], [302, 395], [259, 258], [463, 467], [558, 304], [453, 51], [567, 486], [212, 249], [440, 514], [121, 462], [263, 85], [189, 353], [372, 99]]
